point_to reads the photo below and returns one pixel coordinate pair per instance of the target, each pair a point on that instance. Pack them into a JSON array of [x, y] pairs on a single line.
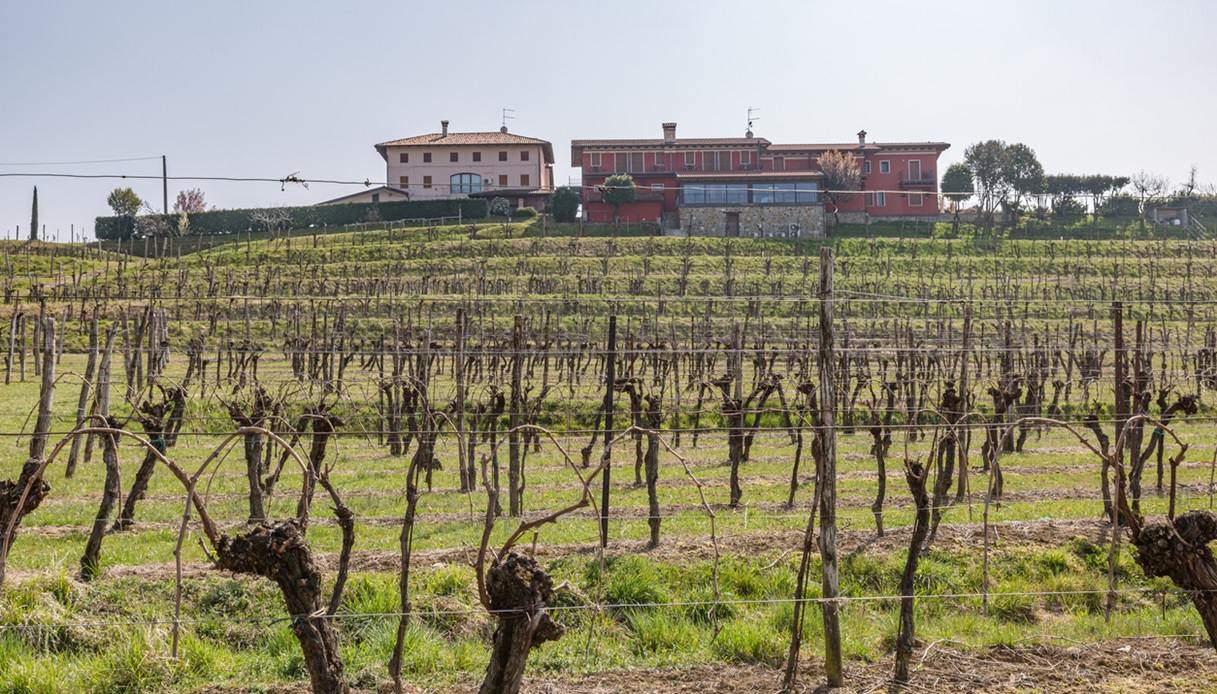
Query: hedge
[[234, 221]]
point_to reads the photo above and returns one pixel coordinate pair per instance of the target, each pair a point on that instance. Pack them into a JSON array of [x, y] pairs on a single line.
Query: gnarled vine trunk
[[1179, 550], [519, 589], [279, 552]]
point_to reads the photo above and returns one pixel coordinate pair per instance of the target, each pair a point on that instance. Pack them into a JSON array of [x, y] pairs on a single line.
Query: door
[[733, 224]]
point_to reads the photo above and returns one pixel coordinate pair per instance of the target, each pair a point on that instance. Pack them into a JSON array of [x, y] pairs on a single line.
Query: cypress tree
[[34, 217]]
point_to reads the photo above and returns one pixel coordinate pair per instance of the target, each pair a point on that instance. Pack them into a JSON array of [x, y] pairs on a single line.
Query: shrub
[[564, 205], [524, 213]]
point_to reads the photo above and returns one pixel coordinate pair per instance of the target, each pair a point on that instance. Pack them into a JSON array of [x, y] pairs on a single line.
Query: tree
[[618, 190], [190, 200], [564, 204], [124, 202], [1149, 189], [34, 217], [957, 185], [988, 163], [841, 174], [1023, 174]]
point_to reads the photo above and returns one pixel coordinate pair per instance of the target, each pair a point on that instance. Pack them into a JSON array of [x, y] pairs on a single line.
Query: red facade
[[900, 179]]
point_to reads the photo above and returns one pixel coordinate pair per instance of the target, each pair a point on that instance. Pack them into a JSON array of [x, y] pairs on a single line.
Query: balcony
[[926, 180]]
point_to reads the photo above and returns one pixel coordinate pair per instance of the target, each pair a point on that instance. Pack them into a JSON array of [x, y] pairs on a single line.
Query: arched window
[[464, 183]]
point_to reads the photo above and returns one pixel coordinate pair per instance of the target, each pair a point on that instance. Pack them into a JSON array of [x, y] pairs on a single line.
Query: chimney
[[861, 137], [669, 133], [444, 125]]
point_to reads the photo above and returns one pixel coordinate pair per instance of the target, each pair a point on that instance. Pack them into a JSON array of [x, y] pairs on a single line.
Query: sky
[[267, 89]]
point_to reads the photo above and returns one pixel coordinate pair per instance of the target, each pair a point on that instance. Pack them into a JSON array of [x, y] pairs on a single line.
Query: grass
[[57, 634]]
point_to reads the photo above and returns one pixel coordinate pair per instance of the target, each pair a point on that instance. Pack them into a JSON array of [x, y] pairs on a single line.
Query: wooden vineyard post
[[830, 578], [468, 475], [962, 491], [513, 436], [1121, 411], [610, 377]]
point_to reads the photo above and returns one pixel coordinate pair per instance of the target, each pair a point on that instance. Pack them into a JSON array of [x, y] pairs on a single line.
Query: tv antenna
[[752, 118], [508, 114]]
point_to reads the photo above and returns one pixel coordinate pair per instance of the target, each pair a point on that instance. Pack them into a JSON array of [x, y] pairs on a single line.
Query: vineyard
[[475, 458]]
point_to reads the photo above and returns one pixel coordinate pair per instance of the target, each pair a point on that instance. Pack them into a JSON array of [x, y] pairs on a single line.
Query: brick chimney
[[861, 137], [444, 126], [669, 133]]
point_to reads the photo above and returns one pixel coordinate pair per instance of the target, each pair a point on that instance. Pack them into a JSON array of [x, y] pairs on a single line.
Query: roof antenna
[[751, 118], [508, 114]]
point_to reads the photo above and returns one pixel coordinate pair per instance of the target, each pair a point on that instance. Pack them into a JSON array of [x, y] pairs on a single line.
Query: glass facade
[[741, 193]]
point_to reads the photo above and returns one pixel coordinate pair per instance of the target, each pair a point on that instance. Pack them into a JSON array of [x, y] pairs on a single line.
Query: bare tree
[[1149, 189], [841, 175]]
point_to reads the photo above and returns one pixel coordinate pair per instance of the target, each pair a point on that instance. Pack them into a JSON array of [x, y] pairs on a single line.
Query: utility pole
[[164, 185]]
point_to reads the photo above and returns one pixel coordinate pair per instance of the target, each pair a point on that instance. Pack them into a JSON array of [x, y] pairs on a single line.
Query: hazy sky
[[267, 88]]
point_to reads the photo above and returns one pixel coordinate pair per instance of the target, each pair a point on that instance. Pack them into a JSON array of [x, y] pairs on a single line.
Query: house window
[[426, 181], [426, 157], [454, 156], [916, 199], [524, 155], [524, 179], [502, 156], [690, 159], [636, 162], [403, 181], [880, 199], [779, 163], [868, 199], [595, 160], [914, 173], [885, 166], [465, 183], [745, 159], [375, 197], [866, 168], [404, 158], [658, 165], [477, 156], [502, 179]]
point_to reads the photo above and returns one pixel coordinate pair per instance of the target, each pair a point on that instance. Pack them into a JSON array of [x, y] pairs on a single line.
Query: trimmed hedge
[[233, 221]]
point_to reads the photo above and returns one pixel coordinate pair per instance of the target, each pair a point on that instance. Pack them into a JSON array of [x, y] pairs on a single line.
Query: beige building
[[472, 164], [372, 195]]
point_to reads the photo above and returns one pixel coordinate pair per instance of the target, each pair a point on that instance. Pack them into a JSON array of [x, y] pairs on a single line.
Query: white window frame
[[656, 187], [885, 166], [880, 198], [595, 160], [909, 170], [690, 159], [916, 199], [747, 161]]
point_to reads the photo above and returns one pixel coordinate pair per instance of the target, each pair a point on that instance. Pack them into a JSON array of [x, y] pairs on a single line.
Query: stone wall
[[755, 220]]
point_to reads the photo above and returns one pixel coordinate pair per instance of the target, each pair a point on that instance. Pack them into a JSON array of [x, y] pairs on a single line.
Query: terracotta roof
[[510, 192], [466, 139], [660, 142], [869, 146]]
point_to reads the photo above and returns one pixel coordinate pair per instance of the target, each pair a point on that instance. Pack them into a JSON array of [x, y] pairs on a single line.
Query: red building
[[750, 186]]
